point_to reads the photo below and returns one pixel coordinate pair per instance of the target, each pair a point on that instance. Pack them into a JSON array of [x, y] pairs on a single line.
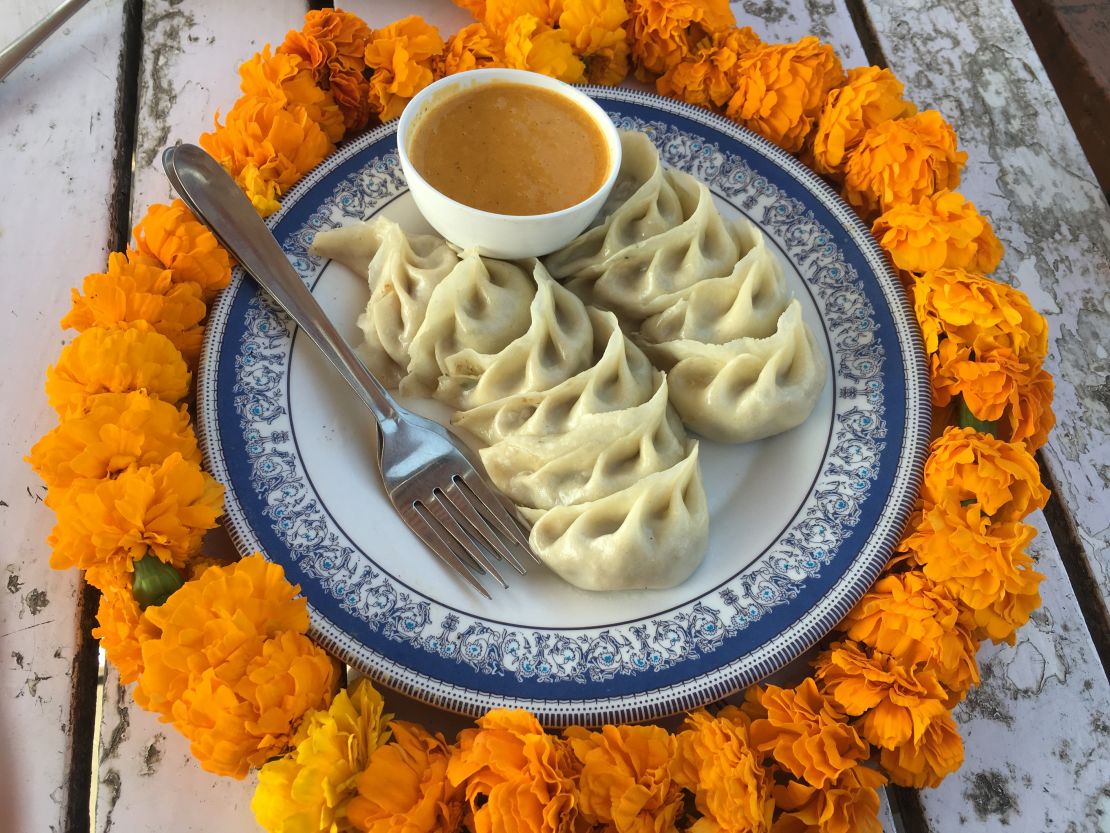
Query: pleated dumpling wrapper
[[705, 298], [570, 418]]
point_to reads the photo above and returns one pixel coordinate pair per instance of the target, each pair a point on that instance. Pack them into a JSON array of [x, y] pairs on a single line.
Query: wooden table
[[81, 125]]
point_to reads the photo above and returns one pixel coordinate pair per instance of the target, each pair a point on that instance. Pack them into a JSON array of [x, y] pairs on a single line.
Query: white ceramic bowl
[[504, 236]]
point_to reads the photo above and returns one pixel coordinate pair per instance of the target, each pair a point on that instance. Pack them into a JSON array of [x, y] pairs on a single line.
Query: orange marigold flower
[[163, 510], [232, 668], [868, 98], [332, 44], [475, 7], [938, 231], [472, 47], [533, 45], [1030, 416], [172, 236], [597, 35], [707, 78], [625, 780], [500, 14], [287, 79], [403, 57], [896, 702], [925, 762], [663, 32], [780, 89], [907, 616], [717, 762], [902, 161], [122, 629], [133, 293], [987, 383], [1003, 478], [314, 787], [267, 148], [116, 431], [807, 733], [100, 360], [405, 788], [850, 805], [517, 777]]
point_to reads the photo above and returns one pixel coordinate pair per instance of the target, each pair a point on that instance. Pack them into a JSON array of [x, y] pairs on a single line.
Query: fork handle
[[212, 195]]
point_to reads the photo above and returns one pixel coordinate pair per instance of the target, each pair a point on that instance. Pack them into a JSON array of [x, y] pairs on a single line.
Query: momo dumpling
[[747, 389], [649, 536], [493, 329], [706, 299], [402, 270], [665, 237]]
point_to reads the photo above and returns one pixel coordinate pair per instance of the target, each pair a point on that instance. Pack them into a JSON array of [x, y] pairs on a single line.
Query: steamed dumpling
[[706, 299], [649, 536]]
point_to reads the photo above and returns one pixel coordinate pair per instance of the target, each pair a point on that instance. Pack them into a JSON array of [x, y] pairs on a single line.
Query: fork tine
[[466, 505], [438, 507], [440, 548], [492, 502]]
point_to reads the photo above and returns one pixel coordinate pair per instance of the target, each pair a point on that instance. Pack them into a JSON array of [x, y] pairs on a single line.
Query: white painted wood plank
[[57, 126], [1036, 729], [192, 49], [975, 63]]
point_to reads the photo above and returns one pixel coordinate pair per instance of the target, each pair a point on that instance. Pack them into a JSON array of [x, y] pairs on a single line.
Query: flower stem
[[966, 419], [154, 581]]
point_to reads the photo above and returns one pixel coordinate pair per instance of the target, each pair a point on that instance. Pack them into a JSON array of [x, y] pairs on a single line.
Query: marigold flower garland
[[219, 650]]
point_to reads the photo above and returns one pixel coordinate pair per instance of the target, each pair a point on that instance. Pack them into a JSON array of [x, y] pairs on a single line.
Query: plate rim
[[734, 673]]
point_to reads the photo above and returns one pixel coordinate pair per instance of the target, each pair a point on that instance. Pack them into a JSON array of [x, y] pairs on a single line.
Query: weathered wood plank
[[191, 51], [973, 62], [57, 126]]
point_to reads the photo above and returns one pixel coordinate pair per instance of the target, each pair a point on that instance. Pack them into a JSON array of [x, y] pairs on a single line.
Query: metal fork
[[432, 479]]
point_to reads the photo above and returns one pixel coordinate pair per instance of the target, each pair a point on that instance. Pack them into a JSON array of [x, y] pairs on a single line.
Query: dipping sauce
[[510, 149]]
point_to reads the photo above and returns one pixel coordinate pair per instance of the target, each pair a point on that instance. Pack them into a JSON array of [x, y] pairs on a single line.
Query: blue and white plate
[[800, 524]]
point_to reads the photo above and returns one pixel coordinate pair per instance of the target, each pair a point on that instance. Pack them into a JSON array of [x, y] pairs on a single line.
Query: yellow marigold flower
[[517, 777], [286, 78], [267, 148], [981, 313], [100, 360], [531, 44], [807, 733], [597, 34], [163, 509], [133, 293], [332, 44], [472, 47], [232, 668], [500, 14], [707, 78], [925, 762], [1030, 417], [172, 236], [122, 629], [625, 780], [850, 805], [780, 89], [1003, 478], [403, 57], [309, 789], [717, 762], [663, 32], [116, 431], [405, 788], [896, 702], [939, 231], [987, 382], [907, 616], [868, 98], [901, 161]]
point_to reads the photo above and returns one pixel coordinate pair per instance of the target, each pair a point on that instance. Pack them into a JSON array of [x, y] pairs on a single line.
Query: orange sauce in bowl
[[510, 149]]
